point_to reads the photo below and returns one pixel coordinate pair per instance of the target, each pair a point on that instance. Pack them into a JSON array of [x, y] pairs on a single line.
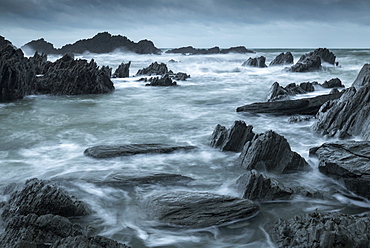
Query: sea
[[45, 137]]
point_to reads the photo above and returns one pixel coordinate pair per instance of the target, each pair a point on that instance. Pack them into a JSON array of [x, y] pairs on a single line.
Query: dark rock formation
[[232, 139], [283, 59], [100, 43], [197, 209], [68, 76], [154, 69], [256, 62], [305, 106], [109, 151], [180, 76], [40, 198], [122, 71], [271, 152], [347, 116], [40, 46], [348, 162], [214, 50], [322, 230], [333, 83], [17, 73], [257, 186], [33, 231], [163, 81], [324, 54], [278, 92], [40, 62], [82, 241], [306, 63], [296, 119], [363, 77]]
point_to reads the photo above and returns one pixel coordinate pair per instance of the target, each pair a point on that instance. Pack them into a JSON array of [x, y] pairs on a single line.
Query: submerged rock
[[197, 209], [283, 59], [322, 230], [232, 139], [163, 81], [110, 151], [304, 106], [40, 198], [347, 116], [123, 70], [256, 62], [271, 152], [348, 162]]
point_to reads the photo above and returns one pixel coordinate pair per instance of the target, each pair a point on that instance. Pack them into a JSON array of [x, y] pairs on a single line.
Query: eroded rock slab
[[348, 162], [110, 151], [197, 209]]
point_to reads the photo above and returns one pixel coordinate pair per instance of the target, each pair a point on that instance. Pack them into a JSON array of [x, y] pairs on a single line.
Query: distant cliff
[[100, 43]]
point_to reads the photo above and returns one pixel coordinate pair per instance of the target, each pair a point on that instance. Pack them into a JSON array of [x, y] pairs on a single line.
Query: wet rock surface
[[82, 241], [271, 152], [322, 230], [123, 70], [232, 139], [306, 63], [283, 59], [278, 92], [197, 209], [256, 62], [363, 77], [154, 68], [347, 162], [110, 151], [305, 106], [163, 81]]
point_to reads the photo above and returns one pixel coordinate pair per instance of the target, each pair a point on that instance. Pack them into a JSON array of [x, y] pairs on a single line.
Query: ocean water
[[45, 137]]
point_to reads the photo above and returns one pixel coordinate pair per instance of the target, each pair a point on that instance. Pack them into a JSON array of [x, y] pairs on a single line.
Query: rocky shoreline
[[42, 214]]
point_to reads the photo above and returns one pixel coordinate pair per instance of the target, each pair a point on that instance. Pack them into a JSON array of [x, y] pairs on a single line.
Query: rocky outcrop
[[68, 76], [214, 50], [363, 77], [256, 62], [333, 83], [161, 81], [324, 54], [179, 76], [17, 73], [40, 198], [100, 43], [271, 152], [322, 230], [278, 92], [197, 209], [348, 162], [154, 69], [232, 139], [283, 59], [305, 106], [83, 241], [347, 116], [123, 70], [110, 151], [306, 63]]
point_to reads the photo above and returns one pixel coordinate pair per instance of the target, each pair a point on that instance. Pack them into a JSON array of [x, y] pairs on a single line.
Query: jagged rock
[[324, 54], [100, 43], [41, 198], [82, 241], [257, 186], [40, 46], [163, 81], [278, 92], [68, 76], [305, 106], [363, 77], [180, 76], [40, 62], [122, 71], [17, 73], [347, 116], [333, 83], [271, 152], [35, 231], [256, 62], [232, 139], [306, 63], [154, 69], [283, 59], [296, 119], [197, 209], [214, 50], [109, 151], [348, 162], [322, 230]]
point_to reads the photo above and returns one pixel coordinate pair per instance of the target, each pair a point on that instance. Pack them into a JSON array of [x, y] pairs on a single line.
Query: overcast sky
[[200, 23]]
